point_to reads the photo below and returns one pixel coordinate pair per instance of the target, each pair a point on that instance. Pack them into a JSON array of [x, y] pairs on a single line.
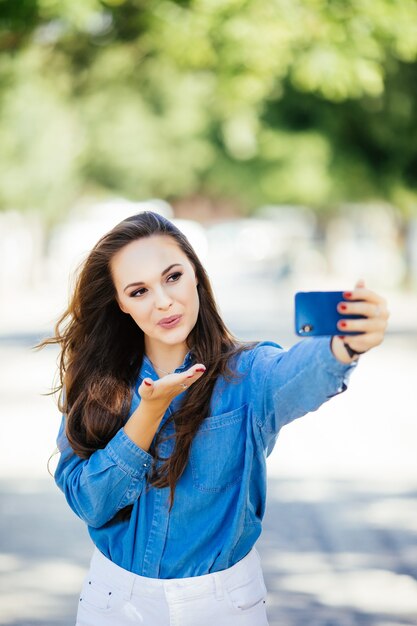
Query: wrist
[[142, 425], [152, 409], [340, 352]]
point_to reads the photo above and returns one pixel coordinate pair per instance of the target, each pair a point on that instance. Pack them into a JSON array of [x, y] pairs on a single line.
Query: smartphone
[[316, 313]]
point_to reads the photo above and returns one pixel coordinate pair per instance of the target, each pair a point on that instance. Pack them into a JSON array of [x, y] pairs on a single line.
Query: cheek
[[191, 293], [140, 313], [194, 298]]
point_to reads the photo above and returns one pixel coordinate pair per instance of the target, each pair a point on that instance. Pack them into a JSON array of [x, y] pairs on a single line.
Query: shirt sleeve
[[112, 478], [286, 385]]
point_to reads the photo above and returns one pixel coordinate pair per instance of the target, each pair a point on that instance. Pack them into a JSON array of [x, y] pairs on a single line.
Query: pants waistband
[[134, 584]]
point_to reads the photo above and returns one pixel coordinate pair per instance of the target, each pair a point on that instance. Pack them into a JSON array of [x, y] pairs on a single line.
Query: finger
[[194, 373], [146, 388], [363, 294], [200, 367], [368, 309], [363, 342], [362, 325]]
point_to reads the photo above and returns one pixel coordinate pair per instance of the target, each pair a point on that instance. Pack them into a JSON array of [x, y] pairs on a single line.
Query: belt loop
[[218, 586]]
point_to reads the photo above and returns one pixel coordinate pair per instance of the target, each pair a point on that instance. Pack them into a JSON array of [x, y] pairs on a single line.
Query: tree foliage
[[266, 101]]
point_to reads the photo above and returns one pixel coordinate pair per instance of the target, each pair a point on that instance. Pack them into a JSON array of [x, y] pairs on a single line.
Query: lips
[[168, 321]]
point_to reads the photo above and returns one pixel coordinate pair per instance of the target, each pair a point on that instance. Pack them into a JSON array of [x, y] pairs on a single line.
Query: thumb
[[360, 284], [146, 388]]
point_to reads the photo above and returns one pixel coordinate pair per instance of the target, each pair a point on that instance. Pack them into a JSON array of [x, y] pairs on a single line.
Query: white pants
[[113, 596]]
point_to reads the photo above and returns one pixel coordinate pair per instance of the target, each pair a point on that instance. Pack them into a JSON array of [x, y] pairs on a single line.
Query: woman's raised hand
[[361, 301], [163, 390], [156, 397]]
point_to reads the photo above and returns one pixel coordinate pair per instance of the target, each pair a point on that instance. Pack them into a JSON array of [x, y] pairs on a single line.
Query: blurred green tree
[[308, 101]]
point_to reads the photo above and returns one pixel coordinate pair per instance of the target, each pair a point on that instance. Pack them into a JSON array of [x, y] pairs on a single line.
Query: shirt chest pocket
[[218, 450]]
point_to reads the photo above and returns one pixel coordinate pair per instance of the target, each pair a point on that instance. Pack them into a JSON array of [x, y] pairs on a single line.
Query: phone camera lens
[[307, 328]]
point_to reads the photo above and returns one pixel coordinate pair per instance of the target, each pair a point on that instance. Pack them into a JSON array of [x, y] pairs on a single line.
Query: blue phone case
[[316, 313]]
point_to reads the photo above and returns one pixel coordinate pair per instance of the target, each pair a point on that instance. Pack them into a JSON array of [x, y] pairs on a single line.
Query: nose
[[162, 300]]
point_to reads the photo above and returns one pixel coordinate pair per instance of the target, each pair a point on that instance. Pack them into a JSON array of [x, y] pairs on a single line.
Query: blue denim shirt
[[220, 498]]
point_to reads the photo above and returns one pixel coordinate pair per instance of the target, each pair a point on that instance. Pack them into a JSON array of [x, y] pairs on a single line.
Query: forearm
[[291, 383], [143, 423], [312, 374]]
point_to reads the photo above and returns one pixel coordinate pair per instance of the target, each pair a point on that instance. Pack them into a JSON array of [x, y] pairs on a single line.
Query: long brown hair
[[102, 350]]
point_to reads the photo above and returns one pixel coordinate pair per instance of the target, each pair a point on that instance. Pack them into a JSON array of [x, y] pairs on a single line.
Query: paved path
[[339, 546]]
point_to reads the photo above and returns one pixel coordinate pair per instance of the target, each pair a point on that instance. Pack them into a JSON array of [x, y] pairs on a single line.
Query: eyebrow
[[162, 274]]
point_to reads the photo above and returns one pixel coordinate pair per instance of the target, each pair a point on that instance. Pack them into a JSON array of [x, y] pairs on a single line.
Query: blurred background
[[281, 137]]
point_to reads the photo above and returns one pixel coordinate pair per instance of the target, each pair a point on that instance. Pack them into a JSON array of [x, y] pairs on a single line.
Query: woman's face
[[155, 280]]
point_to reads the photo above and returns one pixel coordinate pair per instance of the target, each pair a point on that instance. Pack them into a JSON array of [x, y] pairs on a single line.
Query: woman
[[167, 422]]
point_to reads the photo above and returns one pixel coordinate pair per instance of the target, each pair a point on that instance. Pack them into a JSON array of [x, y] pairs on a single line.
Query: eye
[[175, 276], [139, 292]]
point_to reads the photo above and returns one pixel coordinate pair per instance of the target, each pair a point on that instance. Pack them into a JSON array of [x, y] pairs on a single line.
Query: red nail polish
[[146, 383], [347, 294], [190, 376], [201, 369], [342, 307], [343, 324], [341, 337]]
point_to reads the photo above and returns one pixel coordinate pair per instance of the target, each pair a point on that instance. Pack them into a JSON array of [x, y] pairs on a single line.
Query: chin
[[175, 339]]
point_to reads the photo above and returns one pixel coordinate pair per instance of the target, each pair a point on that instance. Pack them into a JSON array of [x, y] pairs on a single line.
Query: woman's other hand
[[156, 397], [361, 301], [162, 391]]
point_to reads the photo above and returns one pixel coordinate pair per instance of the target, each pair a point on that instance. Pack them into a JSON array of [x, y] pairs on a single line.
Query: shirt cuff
[[330, 363], [128, 456]]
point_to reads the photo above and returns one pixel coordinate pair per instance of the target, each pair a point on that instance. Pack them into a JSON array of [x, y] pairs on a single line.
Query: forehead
[[146, 258]]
